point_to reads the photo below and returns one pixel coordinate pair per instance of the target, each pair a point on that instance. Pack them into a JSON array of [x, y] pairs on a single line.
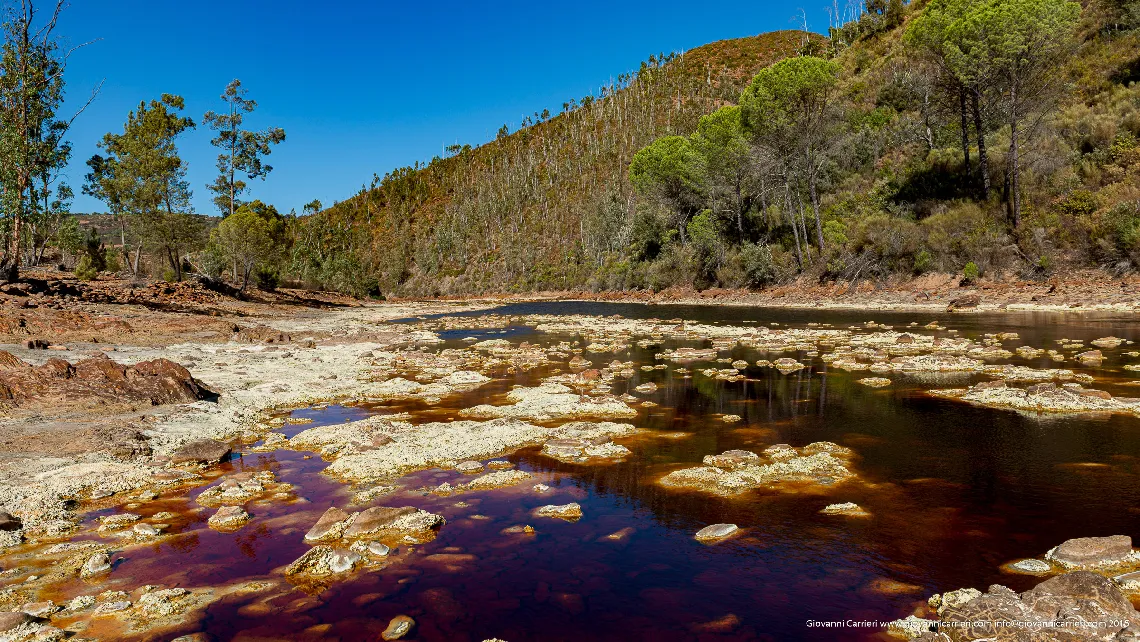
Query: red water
[[955, 491]]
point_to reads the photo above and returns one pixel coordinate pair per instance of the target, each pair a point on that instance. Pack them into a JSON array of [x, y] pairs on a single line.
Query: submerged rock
[[716, 532], [875, 382]]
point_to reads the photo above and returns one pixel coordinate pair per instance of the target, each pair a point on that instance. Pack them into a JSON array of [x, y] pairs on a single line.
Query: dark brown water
[[955, 491]]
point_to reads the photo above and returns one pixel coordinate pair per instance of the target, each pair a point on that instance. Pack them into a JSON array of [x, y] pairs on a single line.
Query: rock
[[911, 627], [964, 302], [40, 609], [375, 519], [323, 560], [1089, 607], [9, 523], [540, 488], [228, 518], [1085, 552], [569, 512], [10, 620], [552, 401], [343, 561], [730, 419], [875, 382], [80, 603], [786, 365], [330, 526], [716, 532], [58, 382], [732, 459], [469, 467], [95, 565], [1092, 357], [145, 531], [847, 508], [202, 451], [400, 626], [163, 602], [735, 472], [1031, 566]]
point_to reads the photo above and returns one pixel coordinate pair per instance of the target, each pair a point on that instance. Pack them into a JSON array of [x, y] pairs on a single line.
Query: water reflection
[[954, 491]]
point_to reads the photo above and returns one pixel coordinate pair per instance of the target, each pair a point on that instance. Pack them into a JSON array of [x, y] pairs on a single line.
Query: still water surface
[[955, 491]]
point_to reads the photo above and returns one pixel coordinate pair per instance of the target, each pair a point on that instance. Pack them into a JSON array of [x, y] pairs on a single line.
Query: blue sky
[[365, 87]]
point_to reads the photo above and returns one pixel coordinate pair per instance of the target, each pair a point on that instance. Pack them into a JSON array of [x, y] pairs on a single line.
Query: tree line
[[963, 136], [138, 174]]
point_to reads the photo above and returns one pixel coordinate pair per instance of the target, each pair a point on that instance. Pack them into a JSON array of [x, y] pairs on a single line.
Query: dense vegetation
[[974, 136], [965, 136]]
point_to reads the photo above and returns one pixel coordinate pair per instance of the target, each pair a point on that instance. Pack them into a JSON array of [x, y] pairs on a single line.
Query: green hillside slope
[[537, 208]]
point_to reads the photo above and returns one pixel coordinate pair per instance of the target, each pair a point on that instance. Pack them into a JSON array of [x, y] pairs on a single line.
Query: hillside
[[536, 208], [911, 167]]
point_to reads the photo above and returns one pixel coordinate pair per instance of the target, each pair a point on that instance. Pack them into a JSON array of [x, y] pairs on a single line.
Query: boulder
[[331, 525], [1090, 606], [202, 451], [1085, 552], [95, 565], [10, 620]]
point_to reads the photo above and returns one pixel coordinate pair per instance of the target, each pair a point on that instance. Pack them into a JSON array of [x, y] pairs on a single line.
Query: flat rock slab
[[329, 526], [1093, 551], [376, 519]]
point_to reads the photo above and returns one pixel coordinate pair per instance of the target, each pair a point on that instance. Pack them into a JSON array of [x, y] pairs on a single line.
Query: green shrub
[[759, 263], [923, 261], [1077, 203], [85, 269], [970, 272], [267, 278]]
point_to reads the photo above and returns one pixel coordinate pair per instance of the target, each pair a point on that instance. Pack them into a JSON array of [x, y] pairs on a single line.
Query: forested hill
[[539, 207], [983, 138]]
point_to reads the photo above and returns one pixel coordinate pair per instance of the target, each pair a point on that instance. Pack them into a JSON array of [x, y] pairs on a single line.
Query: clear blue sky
[[365, 87]]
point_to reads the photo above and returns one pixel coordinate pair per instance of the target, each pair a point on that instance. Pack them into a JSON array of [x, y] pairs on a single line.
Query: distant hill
[[537, 207]]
